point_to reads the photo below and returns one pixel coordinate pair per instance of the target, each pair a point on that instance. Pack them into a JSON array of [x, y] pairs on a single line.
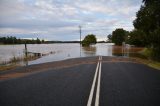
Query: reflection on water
[[89, 51], [127, 51], [56, 52]]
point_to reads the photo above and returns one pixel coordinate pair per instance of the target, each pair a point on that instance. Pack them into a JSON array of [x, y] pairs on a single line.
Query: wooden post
[[26, 50], [26, 54], [123, 48]]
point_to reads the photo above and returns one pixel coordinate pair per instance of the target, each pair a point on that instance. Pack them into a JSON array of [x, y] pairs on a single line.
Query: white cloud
[[59, 19]]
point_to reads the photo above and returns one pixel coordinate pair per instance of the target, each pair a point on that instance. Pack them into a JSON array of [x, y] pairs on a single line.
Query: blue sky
[[59, 19]]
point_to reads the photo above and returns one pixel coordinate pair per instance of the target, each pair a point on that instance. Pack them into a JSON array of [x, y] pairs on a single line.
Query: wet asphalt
[[121, 84]]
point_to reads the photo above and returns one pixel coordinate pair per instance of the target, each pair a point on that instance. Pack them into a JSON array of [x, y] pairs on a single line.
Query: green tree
[[136, 37], [155, 38], [119, 36], [89, 39], [109, 38], [38, 41], [148, 17], [148, 20], [43, 41], [14, 40]]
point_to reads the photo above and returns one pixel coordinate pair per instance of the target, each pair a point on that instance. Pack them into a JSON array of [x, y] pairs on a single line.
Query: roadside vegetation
[[146, 33], [16, 62], [8, 67]]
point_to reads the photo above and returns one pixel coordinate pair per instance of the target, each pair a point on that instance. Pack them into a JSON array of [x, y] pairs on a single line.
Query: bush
[[89, 39]]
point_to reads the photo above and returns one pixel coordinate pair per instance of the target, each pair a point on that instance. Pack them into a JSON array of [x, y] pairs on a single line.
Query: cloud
[[59, 19]]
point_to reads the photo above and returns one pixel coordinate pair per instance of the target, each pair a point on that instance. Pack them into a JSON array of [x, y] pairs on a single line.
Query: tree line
[[135, 37], [147, 29], [14, 40]]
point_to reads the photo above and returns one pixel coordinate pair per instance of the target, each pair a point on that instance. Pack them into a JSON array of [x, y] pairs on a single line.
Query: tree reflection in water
[[89, 51]]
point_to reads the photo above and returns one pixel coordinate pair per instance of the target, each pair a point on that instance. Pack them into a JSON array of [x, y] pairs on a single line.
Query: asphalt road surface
[[99, 83]]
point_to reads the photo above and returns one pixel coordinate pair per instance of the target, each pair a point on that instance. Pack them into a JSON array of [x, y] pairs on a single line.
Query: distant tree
[[42, 41], [14, 40], [119, 36], [89, 39], [109, 38], [38, 41], [19, 41]]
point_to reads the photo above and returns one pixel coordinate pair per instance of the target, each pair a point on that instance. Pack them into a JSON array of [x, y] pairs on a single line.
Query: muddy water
[[56, 52]]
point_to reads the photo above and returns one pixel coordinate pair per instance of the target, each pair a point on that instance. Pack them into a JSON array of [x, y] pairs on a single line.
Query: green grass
[[146, 52], [150, 62], [8, 67], [155, 65], [15, 62]]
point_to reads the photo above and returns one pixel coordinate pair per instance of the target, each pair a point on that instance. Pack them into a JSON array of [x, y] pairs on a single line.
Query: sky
[[60, 19]]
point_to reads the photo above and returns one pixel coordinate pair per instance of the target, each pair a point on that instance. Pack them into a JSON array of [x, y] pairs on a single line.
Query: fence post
[[26, 50]]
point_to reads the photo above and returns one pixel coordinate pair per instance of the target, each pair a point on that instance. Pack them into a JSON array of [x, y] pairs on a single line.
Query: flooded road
[[56, 52]]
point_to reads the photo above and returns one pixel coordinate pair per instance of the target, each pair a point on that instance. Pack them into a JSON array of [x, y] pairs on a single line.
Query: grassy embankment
[[139, 54], [8, 67], [154, 64], [16, 62]]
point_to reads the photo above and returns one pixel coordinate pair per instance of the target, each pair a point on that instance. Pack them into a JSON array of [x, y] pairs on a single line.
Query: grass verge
[[151, 63], [8, 67]]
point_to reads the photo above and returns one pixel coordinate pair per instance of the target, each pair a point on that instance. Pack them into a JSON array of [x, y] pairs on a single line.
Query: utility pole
[[80, 31], [26, 53]]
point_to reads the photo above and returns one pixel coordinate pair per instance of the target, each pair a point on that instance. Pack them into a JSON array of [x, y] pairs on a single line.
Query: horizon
[[60, 19]]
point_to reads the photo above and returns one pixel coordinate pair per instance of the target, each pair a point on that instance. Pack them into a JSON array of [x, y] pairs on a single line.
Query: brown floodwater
[[56, 52]]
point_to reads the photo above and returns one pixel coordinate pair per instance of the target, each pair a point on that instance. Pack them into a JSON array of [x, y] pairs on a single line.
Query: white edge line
[[98, 86], [93, 86]]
